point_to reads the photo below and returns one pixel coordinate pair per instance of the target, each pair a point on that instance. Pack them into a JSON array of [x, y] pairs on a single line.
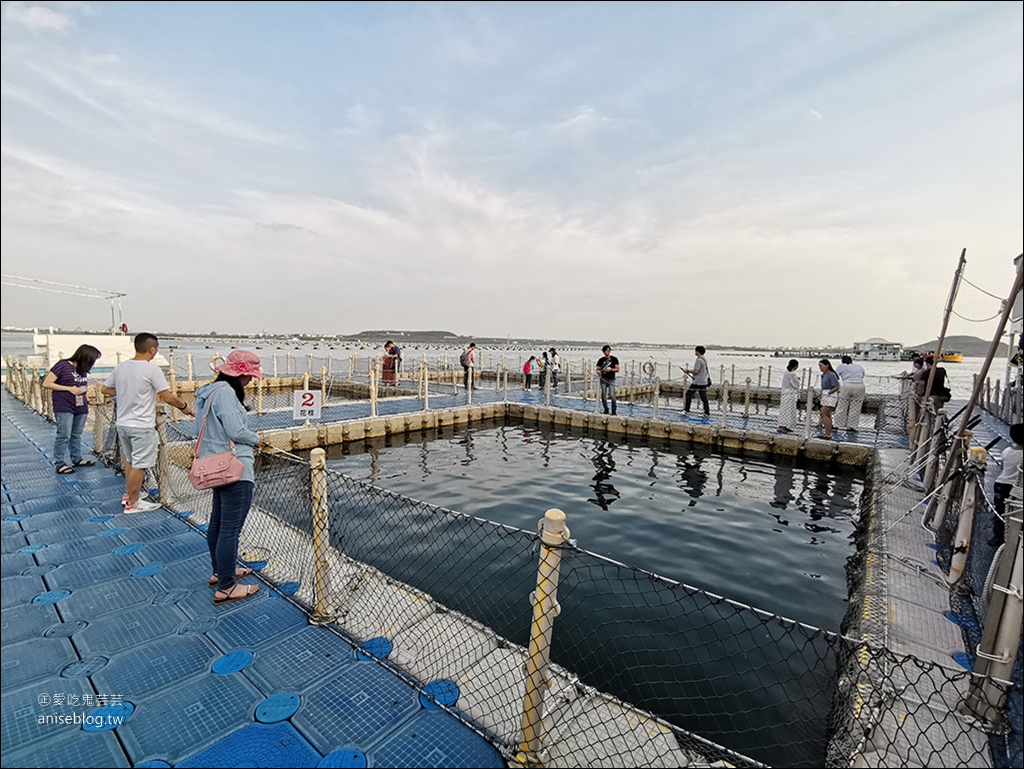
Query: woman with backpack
[[224, 428], [467, 359]]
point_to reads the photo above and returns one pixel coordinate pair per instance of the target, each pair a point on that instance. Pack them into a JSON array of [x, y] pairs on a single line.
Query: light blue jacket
[[228, 421]]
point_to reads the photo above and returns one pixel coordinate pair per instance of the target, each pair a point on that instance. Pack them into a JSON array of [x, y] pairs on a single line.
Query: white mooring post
[[275, 365], [373, 392], [657, 394], [426, 387], [190, 370], [547, 389], [287, 363], [554, 533], [323, 386], [746, 401], [321, 537], [506, 387], [724, 397]]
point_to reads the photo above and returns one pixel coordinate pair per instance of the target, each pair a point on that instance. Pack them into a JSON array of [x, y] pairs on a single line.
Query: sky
[[720, 173]]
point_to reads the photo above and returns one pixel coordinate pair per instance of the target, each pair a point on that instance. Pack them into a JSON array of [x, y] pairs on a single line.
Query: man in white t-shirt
[[851, 394], [137, 384]]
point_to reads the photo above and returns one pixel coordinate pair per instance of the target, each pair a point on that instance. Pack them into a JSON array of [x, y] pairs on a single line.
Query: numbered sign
[[307, 404]]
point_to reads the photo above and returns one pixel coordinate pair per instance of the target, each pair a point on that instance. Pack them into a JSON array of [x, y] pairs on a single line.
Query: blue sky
[[726, 173]]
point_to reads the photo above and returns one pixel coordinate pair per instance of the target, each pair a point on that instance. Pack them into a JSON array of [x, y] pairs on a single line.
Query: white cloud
[[43, 17], [95, 59], [583, 123]]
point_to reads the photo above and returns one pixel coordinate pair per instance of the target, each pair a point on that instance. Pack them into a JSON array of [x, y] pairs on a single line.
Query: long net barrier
[[565, 657]]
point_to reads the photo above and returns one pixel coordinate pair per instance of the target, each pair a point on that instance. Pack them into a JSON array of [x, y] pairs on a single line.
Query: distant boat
[[952, 357]]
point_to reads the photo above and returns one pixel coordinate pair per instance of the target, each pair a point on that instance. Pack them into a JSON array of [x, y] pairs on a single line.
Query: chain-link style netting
[[646, 671]]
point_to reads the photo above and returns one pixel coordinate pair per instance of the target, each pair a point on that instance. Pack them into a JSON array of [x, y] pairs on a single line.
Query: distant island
[[968, 346]]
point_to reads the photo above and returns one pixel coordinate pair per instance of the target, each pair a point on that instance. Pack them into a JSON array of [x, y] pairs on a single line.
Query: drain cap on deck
[[232, 662], [379, 647], [343, 759], [47, 599], [278, 707]]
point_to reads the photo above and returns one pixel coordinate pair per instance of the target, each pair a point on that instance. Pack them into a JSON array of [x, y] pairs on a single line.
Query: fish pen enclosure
[[561, 655]]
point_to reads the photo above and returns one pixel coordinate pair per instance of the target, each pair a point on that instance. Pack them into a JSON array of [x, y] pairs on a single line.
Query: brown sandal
[[239, 574], [230, 595]]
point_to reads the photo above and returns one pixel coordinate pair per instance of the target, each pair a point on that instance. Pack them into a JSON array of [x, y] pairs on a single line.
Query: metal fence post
[[746, 401], [163, 474], [99, 427], [809, 411], [259, 396], [769, 383], [321, 539], [172, 380], [1001, 636], [426, 387], [933, 452], [545, 608], [657, 394], [723, 392], [974, 471], [323, 386]]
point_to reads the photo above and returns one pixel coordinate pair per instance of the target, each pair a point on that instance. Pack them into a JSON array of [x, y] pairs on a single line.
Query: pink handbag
[[216, 469]]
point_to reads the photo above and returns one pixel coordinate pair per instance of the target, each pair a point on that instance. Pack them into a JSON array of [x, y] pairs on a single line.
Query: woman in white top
[[790, 393], [1012, 460]]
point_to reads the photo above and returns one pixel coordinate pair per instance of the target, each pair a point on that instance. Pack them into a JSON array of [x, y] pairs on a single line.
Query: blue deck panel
[[152, 641], [355, 708], [298, 661], [258, 745], [107, 597], [25, 621], [72, 749]]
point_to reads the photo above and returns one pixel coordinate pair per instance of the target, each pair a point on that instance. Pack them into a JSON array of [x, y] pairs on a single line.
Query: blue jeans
[[69, 434], [230, 508], [607, 389]]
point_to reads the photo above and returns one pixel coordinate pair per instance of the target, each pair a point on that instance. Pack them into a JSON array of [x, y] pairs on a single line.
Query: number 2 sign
[[306, 405]]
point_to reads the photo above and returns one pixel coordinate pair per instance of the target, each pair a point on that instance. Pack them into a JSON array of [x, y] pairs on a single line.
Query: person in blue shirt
[[222, 418], [829, 394]]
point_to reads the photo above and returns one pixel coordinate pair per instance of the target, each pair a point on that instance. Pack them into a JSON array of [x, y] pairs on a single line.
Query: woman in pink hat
[[221, 414]]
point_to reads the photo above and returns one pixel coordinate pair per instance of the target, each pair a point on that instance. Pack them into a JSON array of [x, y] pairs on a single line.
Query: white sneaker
[[142, 506], [124, 501]]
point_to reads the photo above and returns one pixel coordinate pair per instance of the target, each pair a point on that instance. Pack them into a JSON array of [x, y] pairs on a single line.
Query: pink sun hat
[[242, 363]]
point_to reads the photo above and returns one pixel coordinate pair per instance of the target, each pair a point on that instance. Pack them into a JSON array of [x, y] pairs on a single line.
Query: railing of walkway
[[559, 652]]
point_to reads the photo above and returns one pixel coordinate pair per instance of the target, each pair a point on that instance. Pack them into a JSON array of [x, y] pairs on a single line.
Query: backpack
[[526, 367], [464, 359]]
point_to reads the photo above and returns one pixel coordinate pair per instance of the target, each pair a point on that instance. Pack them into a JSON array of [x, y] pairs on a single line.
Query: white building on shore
[[877, 348]]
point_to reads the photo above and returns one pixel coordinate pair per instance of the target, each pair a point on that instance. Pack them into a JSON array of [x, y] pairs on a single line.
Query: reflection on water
[[604, 462], [774, 535]]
